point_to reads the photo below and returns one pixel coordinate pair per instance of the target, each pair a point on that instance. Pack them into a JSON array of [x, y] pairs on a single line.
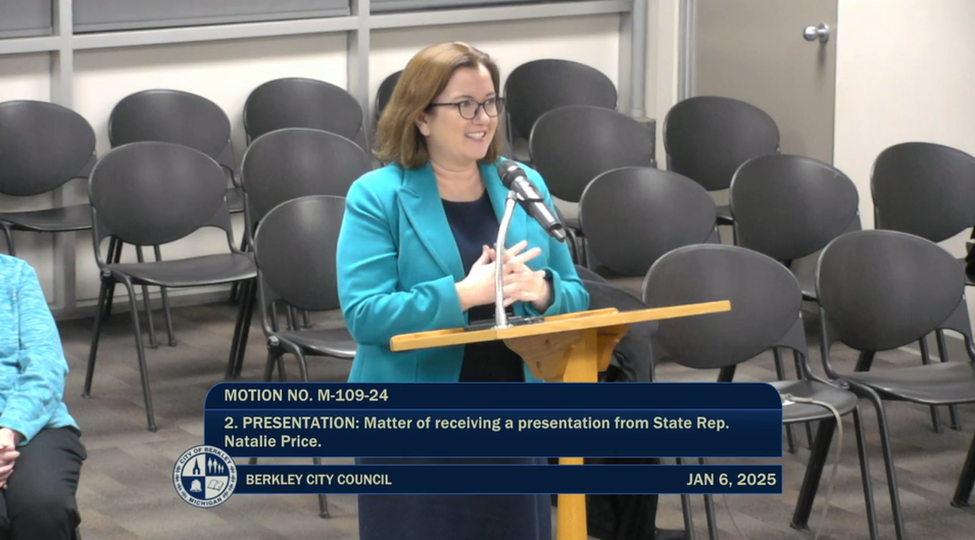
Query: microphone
[[514, 178]]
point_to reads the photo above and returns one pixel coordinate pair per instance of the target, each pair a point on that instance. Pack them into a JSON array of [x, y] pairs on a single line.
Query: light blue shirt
[[32, 364]]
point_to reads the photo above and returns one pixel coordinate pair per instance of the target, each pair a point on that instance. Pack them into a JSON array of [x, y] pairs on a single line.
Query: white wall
[[905, 71], [226, 72]]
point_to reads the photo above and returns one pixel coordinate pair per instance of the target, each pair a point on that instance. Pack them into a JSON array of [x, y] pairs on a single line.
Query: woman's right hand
[[477, 289]]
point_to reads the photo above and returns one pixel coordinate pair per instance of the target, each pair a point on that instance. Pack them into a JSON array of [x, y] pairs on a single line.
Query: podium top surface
[[583, 320]]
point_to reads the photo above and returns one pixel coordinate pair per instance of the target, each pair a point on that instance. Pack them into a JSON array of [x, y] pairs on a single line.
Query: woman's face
[[451, 138]]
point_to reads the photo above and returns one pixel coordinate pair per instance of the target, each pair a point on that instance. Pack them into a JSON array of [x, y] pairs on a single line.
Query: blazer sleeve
[[374, 308], [568, 293]]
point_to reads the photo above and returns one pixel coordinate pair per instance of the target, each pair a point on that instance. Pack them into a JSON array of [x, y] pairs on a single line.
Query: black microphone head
[[508, 171]]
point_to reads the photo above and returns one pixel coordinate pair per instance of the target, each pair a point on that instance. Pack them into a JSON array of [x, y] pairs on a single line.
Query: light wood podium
[[573, 347]]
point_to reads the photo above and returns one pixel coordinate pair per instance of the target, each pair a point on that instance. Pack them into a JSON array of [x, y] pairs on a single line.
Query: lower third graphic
[[205, 476]]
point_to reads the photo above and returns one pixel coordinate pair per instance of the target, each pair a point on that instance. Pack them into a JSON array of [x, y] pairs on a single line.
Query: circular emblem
[[205, 476]]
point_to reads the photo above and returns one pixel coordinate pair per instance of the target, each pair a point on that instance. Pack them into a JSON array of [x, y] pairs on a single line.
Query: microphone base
[[512, 321]]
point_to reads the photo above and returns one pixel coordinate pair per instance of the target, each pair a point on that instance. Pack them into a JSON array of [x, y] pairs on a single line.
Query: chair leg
[[322, 499], [864, 361], [808, 425], [167, 314], [685, 506], [106, 284], [709, 511], [865, 474], [814, 473], [790, 437], [238, 347], [272, 358], [148, 304], [114, 256], [925, 360], [966, 481], [143, 368], [10, 239], [895, 501], [943, 355], [249, 301]]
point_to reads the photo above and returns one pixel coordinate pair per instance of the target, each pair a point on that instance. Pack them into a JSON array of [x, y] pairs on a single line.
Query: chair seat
[[190, 272], [235, 200], [939, 383], [843, 401], [724, 215], [335, 342], [64, 219]]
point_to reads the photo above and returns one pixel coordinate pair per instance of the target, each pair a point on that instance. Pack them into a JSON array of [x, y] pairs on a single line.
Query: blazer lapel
[[518, 228], [420, 201]]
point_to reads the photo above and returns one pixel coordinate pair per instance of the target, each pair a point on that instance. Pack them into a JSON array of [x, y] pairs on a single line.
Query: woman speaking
[[415, 254]]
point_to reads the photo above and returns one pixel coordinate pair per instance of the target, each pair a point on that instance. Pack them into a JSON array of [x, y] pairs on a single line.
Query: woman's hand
[[8, 454], [477, 289], [521, 283]]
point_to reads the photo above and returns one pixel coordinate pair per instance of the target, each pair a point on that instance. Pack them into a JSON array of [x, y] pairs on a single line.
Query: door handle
[[812, 33]]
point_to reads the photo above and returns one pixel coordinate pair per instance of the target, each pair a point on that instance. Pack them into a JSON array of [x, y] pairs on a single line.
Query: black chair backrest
[[303, 103], [295, 249], [880, 290], [572, 145], [173, 116], [153, 193], [291, 163], [924, 189], [765, 305], [708, 137], [385, 92], [42, 146], [633, 215], [534, 88], [788, 207]]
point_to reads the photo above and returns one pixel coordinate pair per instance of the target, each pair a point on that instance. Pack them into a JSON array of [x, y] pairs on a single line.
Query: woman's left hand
[[521, 283]]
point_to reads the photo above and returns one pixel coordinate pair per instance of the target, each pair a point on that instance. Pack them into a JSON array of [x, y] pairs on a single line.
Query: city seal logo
[[205, 476]]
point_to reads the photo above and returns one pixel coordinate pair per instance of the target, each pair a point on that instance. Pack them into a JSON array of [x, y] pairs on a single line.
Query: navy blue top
[[474, 226]]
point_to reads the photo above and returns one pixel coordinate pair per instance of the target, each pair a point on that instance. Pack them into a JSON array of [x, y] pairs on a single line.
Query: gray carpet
[[126, 489]]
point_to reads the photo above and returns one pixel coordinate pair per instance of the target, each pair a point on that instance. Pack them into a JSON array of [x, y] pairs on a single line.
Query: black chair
[[766, 307], [385, 92], [880, 290], [634, 215], [153, 193], [303, 103], [570, 146], [534, 88], [927, 190], [708, 137], [296, 162], [788, 208], [173, 116], [295, 252], [42, 147], [178, 117]]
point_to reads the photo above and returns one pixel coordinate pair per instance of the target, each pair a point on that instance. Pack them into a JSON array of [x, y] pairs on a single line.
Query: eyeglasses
[[469, 109]]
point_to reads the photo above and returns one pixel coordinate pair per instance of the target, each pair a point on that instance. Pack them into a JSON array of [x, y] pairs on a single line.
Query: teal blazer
[[398, 264]]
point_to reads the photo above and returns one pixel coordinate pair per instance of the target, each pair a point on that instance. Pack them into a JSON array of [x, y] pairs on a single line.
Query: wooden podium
[[573, 347]]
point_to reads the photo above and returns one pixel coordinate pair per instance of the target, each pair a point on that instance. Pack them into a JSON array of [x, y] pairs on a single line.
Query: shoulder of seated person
[[11, 266], [386, 178]]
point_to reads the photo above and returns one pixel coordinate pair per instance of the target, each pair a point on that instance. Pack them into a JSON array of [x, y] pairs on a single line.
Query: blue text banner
[[509, 479]]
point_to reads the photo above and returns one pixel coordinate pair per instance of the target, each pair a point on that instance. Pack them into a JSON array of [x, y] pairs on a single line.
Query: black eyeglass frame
[[499, 105]]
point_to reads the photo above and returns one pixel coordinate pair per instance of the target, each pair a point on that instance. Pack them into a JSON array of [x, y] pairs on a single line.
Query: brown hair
[[424, 78]]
